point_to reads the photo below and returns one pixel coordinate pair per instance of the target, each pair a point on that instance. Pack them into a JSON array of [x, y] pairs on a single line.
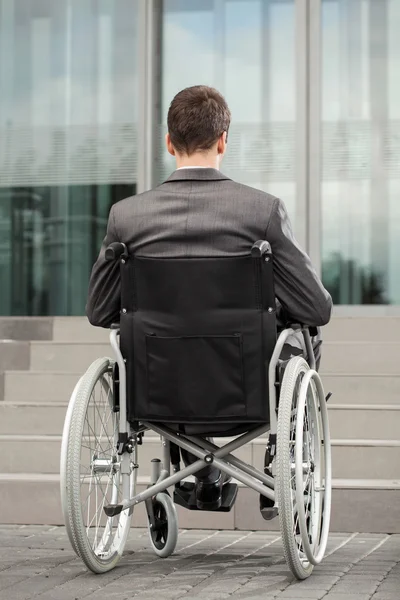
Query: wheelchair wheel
[[164, 535], [303, 468], [91, 474]]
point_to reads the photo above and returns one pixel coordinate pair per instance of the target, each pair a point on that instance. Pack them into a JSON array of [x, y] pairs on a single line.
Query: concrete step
[[362, 388], [78, 329], [14, 355], [41, 454], [340, 329], [44, 386], [359, 357], [66, 356], [360, 459], [346, 421], [55, 386], [45, 418], [338, 357], [355, 459], [375, 422], [26, 328], [362, 329], [366, 459], [356, 506]]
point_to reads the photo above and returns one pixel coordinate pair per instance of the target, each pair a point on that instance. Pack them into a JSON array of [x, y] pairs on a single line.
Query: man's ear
[[221, 145], [169, 145]]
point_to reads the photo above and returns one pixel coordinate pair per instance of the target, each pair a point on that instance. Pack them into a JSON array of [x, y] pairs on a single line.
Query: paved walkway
[[38, 562]]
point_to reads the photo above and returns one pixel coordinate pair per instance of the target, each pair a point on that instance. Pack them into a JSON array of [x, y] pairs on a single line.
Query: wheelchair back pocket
[[195, 378]]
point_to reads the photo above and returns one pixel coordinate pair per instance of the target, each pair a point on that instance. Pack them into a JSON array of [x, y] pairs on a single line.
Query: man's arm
[[297, 286], [104, 297]]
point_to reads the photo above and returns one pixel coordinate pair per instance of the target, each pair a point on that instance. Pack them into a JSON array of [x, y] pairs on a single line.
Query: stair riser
[[364, 424], [21, 386], [340, 329], [14, 355], [376, 358], [349, 462], [373, 358], [78, 329], [353, 462], [37, 502], [26, 419], [350, 389], [43, 456], [41, 387], [344, 423], [74, 358], [362, 329], [26, 328]]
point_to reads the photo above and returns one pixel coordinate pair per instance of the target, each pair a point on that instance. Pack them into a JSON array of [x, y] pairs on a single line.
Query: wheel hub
[[104, 465]]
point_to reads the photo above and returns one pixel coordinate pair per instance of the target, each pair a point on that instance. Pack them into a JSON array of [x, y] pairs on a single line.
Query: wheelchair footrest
[[185, 496], [269, 513]]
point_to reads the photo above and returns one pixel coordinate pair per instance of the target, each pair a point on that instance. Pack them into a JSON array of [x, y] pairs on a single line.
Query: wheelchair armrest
[[307, 332], [115, 251], [294, 326], [313, 331]]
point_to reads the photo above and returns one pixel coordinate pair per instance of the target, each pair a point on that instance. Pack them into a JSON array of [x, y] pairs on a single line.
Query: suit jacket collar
[[207, 174]]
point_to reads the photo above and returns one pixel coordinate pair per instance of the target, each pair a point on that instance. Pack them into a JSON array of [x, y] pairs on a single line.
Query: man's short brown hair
[[197, 117]]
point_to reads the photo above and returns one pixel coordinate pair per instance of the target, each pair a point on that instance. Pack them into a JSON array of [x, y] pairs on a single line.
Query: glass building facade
[[85, 85]]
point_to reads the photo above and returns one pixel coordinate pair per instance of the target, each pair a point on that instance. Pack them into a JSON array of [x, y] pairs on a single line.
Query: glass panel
[[361, 150], [246, 49], [68, 115]]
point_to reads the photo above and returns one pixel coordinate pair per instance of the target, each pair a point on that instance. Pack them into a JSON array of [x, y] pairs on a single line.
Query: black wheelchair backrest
[[197, 335]]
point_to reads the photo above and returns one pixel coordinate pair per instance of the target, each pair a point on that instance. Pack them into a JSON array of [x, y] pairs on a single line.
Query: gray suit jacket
[[201, 212]]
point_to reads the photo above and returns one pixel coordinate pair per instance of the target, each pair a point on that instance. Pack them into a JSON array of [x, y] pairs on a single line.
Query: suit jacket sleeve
[[104, 297], [297, 285]]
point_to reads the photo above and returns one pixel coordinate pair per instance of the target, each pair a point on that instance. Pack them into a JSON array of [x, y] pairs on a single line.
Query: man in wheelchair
[[198, 276], [199, 212]]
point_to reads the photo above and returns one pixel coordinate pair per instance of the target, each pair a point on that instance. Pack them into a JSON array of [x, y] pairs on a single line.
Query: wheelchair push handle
[[260, 248], [116, 250]]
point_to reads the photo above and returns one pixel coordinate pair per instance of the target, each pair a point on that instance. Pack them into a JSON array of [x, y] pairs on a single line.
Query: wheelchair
[[196, 350]]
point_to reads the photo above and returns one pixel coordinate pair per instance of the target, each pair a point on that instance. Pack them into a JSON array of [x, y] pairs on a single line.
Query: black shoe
[[267, 508], [209, 495]]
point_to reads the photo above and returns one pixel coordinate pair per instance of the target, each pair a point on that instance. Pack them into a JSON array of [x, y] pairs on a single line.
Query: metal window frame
[[314, 148], [150, 14], [302, 121]]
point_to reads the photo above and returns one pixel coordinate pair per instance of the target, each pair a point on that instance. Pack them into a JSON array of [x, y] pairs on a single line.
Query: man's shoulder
[[128, 203], [250, 192]]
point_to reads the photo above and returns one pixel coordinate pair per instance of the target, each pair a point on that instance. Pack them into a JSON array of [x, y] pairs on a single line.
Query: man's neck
[[198, 160]]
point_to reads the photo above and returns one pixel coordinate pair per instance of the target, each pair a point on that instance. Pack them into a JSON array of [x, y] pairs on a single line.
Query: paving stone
[[361, 587], [319, 582], [352, 596], [390, 584], [295, 592]]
